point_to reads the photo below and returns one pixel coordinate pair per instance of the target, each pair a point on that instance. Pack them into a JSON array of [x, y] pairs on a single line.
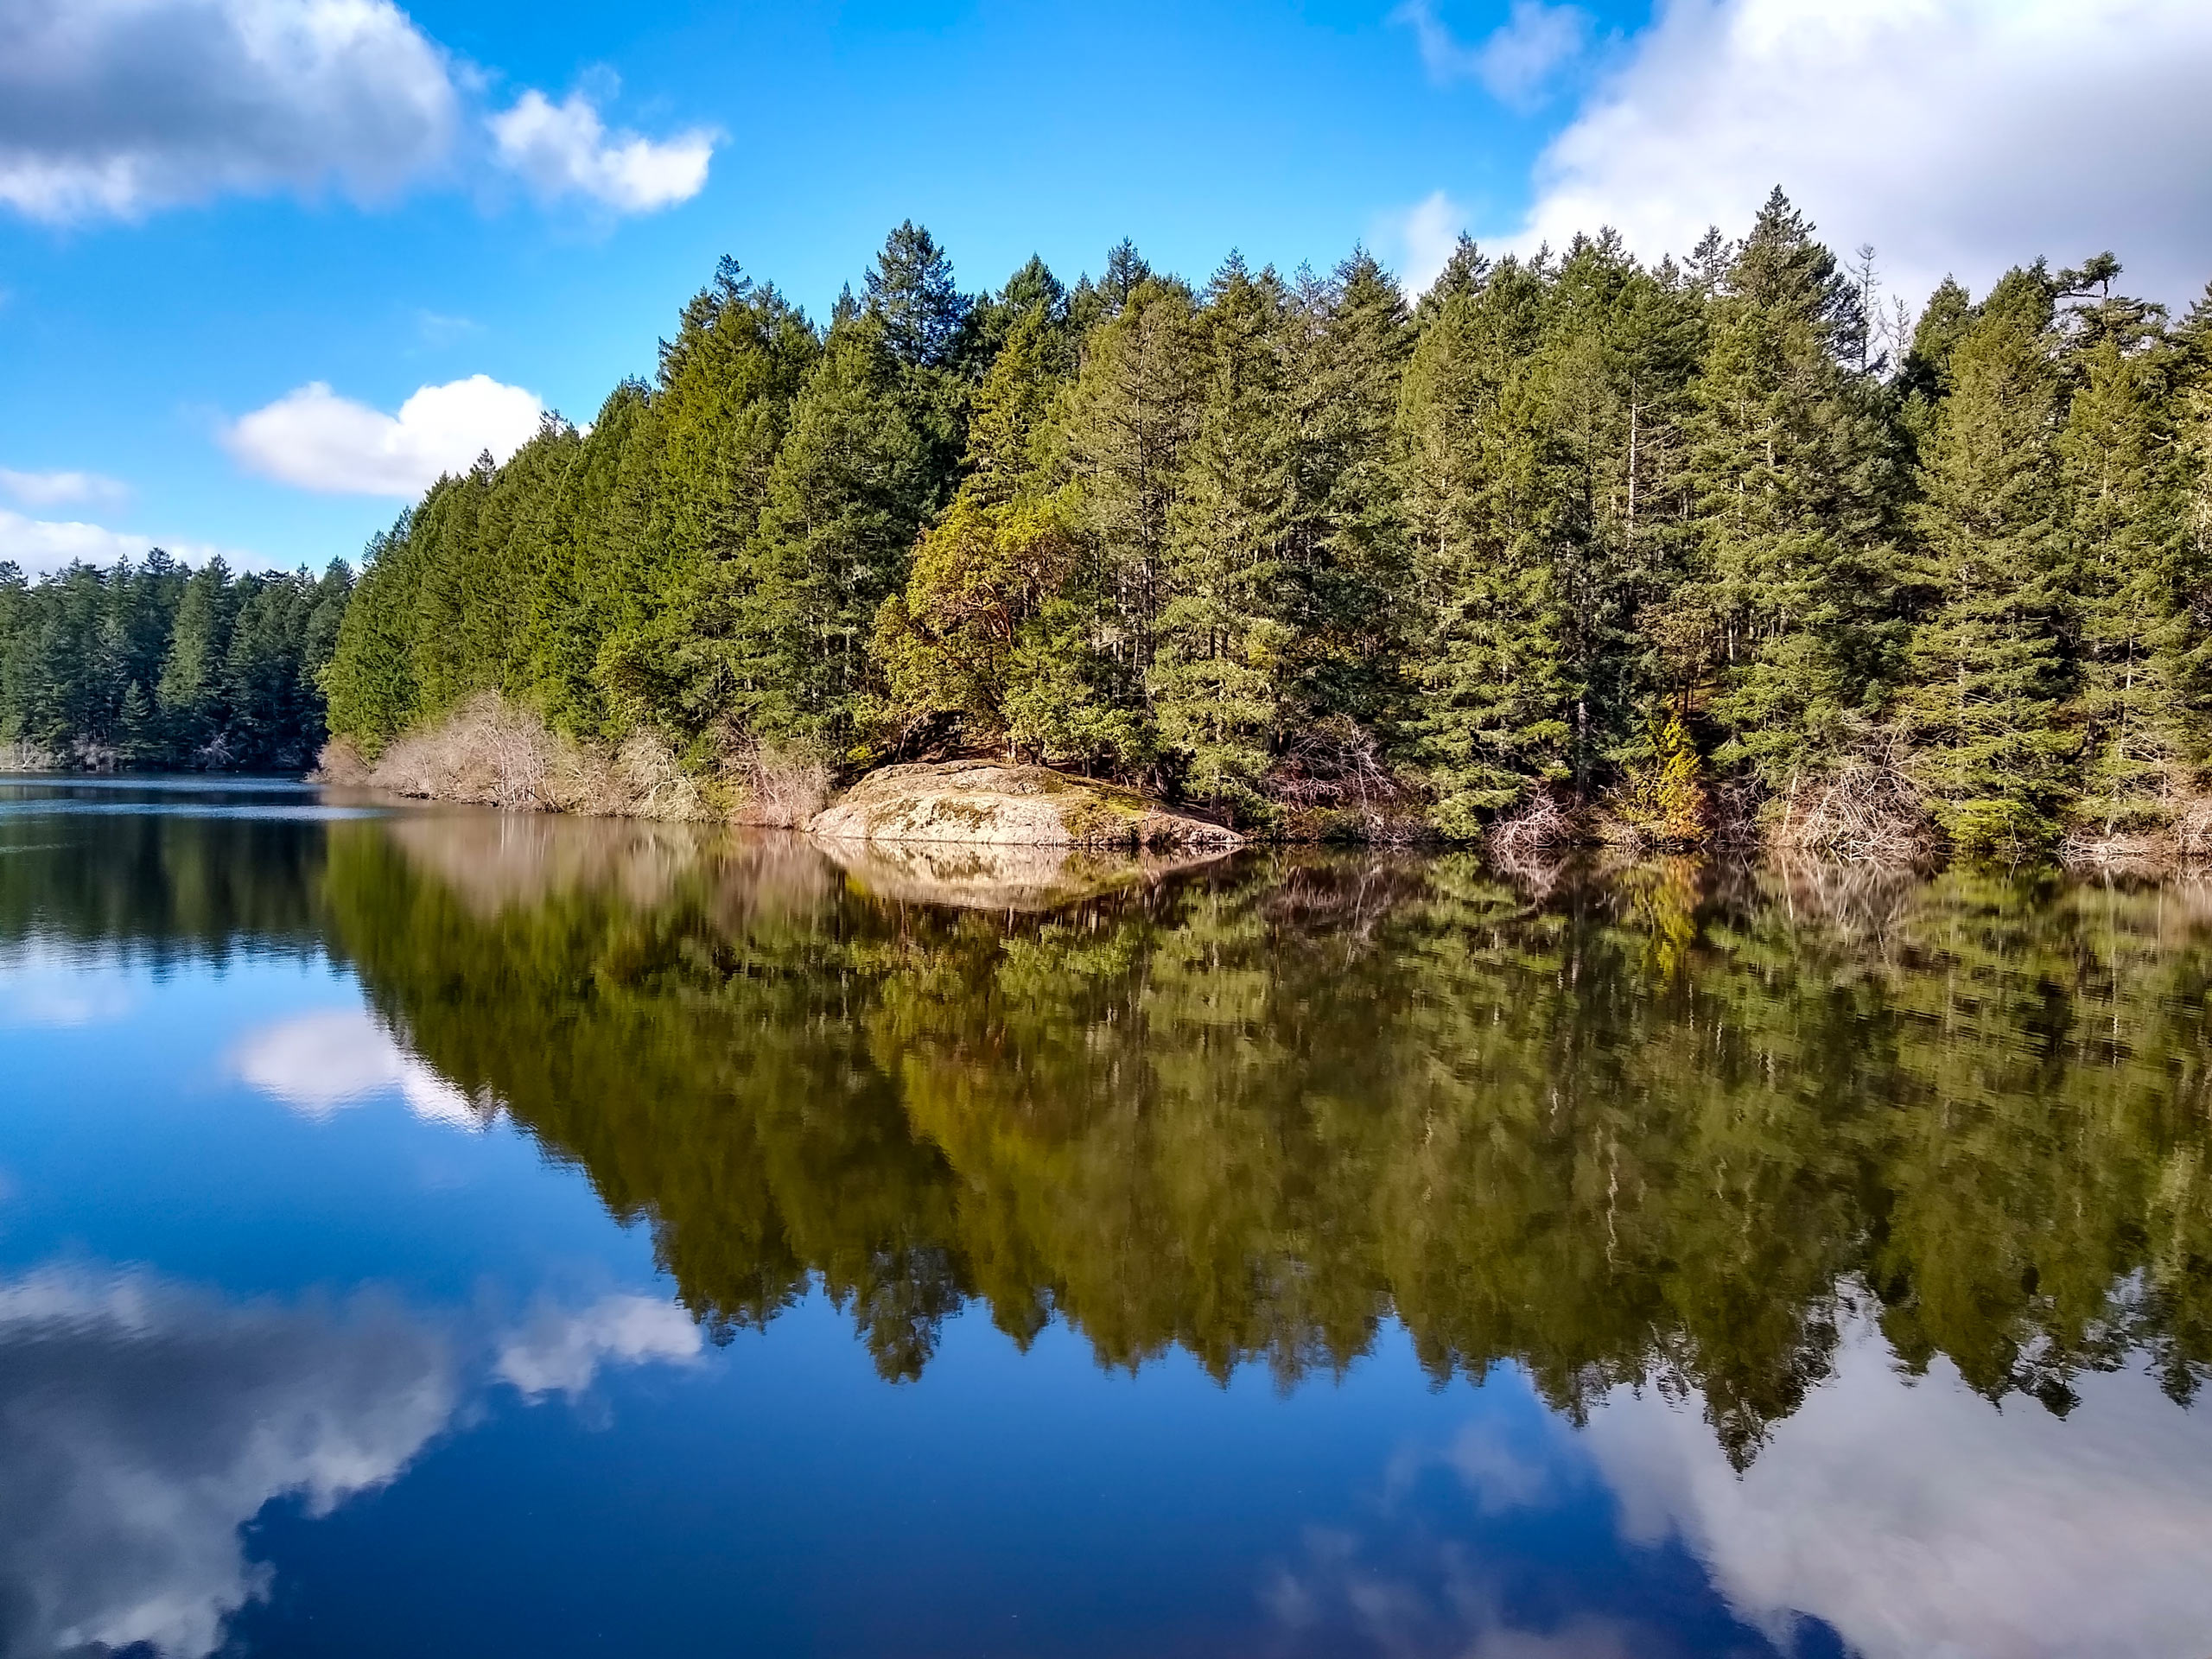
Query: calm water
[[439, 1233]]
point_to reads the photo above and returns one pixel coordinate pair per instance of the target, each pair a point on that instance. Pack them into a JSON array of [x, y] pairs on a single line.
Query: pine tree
[[1794, 473], [846, 498], [1493, 516], [2138, 702], [1989, 665], [1221, 664]]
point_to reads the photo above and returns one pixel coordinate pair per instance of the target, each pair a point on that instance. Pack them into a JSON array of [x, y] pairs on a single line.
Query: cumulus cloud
[[1422, 236], [565, 149], [57, 489], [564, 1351], [319, 1064], [142, 1424], [40, 545], [114, 107], [320, 441], [1516, 62], [1918, 1519], [1960, 135]]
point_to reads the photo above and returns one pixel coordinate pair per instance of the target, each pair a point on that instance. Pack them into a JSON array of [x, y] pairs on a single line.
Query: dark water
[[435, 1233]]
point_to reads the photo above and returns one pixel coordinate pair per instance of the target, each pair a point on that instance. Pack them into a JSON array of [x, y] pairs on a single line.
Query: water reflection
[[1846, 1243], [143, 1423], [1640, 1131]]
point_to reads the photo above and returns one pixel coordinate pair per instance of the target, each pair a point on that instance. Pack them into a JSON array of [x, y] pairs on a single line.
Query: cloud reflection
[[318, 1064], [1917, 1518], [564, 1351], [143, 1424]]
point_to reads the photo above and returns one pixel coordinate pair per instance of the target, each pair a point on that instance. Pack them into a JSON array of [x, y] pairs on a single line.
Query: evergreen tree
[[1989, 665], [2140, 703], [1345, 554], [1002, 551], [1221, 661], [846, 498], [1129, 419], [1494, 519], [1794, 471]]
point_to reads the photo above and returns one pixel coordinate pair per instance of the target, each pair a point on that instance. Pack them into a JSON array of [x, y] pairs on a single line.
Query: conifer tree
[[1990, 674], [1004, 548], [1221, 664], [846, 498], [188, 698], [1492, 516], [1129, 420], [1794, 471], [1345, 555], [2138, 703]]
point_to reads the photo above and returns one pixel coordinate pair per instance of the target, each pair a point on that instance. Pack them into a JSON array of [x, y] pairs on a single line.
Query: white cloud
[[319, 1064], [111, 109], [318, 440], [114, 107], [1918, 1519], [1961, 136], [55, 489], [564, 148], [40, 545], [1423, 238], [564, 1351], [1516, 61]]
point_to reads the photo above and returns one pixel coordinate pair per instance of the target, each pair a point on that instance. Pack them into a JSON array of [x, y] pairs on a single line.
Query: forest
[[153, 666], [1570, 547]]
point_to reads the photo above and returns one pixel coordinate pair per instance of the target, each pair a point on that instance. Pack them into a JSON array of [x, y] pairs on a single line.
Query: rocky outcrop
[[981, 803], [1002, 877]]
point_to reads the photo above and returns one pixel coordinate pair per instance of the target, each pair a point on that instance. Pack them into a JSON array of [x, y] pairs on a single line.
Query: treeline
[[156, 666], [1573, 541]]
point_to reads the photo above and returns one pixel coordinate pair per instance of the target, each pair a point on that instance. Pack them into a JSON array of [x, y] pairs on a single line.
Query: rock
[[983, 802], [1004, 876]]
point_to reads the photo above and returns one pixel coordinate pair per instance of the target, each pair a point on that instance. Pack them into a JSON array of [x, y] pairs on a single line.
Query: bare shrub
[[2193, 829], [341, 763], [1869, 812], [782, 790], [17, 755], [1533, 840], [490, 752], [1333, 784]]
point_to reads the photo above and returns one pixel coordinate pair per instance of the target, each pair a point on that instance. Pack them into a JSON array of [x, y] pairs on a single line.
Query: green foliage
[[1280, 545], [1631, 1133], [1990, 670], [153, 667]]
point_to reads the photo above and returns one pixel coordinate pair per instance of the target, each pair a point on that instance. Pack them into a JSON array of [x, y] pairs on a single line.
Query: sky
[[268, 266]]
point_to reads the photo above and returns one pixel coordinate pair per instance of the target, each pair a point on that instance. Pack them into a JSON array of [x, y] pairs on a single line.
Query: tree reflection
[[1653, 1126]]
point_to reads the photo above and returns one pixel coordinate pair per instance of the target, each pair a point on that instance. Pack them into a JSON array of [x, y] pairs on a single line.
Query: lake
[[432, 1232]]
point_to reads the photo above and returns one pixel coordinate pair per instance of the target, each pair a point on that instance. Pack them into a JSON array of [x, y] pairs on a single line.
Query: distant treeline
[[1573, 541], [153, 665]]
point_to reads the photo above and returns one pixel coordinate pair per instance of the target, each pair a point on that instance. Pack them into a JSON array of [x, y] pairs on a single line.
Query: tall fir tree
[[1222, 663], [1989, 665], [2139, 701], [1794, 472]]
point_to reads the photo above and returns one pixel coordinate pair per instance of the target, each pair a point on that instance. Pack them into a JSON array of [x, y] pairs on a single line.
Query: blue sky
[[208, 206]]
